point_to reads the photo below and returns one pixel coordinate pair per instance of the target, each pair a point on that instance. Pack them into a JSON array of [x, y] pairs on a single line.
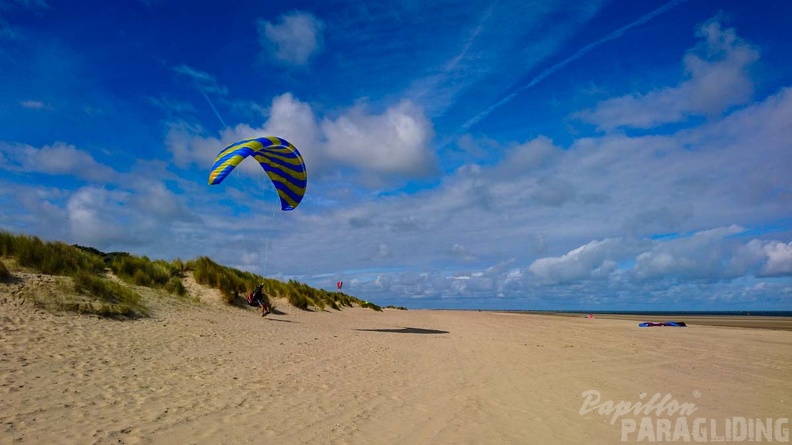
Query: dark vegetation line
[[87, 267]]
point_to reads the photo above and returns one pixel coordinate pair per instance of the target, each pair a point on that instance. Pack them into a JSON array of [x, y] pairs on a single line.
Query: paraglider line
[[266, 246]]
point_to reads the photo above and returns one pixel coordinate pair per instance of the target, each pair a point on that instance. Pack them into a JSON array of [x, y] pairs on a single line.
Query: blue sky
[[590, 155]]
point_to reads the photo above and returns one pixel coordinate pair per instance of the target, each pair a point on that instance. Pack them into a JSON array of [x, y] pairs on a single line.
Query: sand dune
[[209, 374]]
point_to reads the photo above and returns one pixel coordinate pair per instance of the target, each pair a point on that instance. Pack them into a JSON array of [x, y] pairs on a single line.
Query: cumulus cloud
[[718, 79], [154, 200], [554, 191], [290, 116], [56, 159], [704, 255], [709, 255], [531, 155], [189, 145], [779, 259], [396, 142], [294, 39], [93, 218], [143, 215], [596, 259]]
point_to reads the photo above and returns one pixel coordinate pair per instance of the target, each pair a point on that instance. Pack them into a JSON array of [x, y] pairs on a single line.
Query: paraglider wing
[[279, 158]]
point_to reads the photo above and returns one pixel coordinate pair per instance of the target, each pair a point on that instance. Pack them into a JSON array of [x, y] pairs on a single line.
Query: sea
[[663, 313]]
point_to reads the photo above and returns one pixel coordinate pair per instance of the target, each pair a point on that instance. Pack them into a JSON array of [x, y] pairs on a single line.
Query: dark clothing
[[256, 302], [256, 298]]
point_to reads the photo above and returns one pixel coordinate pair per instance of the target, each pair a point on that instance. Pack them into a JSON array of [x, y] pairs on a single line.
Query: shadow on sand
[[405, 331]]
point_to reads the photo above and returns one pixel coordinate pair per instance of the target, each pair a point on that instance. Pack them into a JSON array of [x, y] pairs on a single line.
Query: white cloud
[[147, 215], [718, 79], [295, 120], [287, 118], [396, 141], [153, 200], [779, 259], [93, 217], [701, 256], [56, 159], [532, 155], [294, 39], [596, 259]]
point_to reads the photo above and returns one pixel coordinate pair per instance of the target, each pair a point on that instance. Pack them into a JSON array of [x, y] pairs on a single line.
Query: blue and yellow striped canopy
[[280, 159]]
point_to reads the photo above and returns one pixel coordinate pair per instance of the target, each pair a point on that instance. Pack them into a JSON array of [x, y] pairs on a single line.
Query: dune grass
[[141, 271], [232, 282], [111, 298], [51, 258], [87, 267]]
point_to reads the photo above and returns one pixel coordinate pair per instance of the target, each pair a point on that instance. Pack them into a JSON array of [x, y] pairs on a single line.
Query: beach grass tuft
[[113, 298]]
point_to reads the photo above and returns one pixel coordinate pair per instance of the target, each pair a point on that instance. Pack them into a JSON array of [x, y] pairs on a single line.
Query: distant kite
[[279, 158]]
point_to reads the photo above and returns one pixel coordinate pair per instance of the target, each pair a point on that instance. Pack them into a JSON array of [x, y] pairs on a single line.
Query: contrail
[[213, 107], [580, 53]]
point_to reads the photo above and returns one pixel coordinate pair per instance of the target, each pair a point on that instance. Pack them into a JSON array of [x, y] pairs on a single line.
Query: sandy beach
[[208, 374]]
